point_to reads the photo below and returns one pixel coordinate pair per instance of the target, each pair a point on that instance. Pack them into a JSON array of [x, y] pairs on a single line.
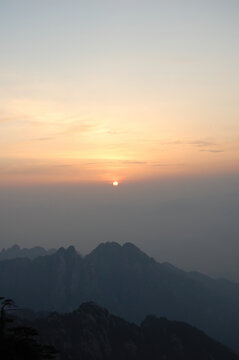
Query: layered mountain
[[128, 283], [16, 252], [91, 333]]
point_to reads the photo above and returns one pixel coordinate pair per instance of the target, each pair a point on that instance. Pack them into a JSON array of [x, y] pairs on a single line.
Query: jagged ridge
[[91, 333], [128, 283]]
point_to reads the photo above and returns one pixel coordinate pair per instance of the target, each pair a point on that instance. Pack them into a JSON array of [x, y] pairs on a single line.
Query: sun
[[115, 183]]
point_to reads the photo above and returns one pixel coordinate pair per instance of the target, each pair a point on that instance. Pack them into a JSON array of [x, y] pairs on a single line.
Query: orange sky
[[124, 94], [44, 143]]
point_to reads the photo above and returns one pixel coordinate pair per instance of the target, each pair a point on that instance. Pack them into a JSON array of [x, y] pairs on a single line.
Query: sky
[[144, 93]]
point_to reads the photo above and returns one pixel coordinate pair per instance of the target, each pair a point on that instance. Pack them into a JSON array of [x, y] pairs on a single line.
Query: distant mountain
[[16, 252], [91, 333], [128, 283]]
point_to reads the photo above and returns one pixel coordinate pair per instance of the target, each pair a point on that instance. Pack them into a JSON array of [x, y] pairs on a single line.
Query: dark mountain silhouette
[[128, 283], [91, 333], [16, 252], [17, 341]]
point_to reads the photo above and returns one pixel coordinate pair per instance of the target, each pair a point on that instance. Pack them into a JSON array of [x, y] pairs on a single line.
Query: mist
[[189, 222]]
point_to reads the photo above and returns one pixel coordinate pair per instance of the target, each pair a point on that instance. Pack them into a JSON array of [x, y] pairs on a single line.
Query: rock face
[[91, 333], [128, 283], [16, 252]]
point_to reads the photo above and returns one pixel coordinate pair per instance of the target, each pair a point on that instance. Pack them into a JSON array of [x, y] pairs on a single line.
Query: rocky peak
[[70, 251]]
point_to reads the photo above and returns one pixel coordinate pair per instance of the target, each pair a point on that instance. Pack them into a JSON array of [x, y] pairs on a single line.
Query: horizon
[[190, 224]]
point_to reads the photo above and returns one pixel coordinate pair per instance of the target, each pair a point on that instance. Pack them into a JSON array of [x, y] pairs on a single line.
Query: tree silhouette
[[19, 342]]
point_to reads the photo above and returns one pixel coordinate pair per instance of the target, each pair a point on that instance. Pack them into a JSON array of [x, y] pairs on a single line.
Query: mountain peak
[[116, 247], [108, 245], [105, 248], [130, 247], [67, 251], [15, 247], [112, 255], [71, 250], [16, 251], [92, 307]]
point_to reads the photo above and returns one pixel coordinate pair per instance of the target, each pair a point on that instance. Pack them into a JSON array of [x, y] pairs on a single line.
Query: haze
[[191, 223], [140, 92]]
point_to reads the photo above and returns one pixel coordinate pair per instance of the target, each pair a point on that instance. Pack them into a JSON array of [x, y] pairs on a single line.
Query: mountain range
[[91, 333], [128, 283], [16, 252]]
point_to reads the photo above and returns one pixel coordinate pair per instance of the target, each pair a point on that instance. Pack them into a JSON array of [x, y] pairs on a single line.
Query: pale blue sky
[[84, 42]]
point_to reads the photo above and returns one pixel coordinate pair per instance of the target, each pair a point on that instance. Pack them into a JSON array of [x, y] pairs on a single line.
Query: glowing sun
[[115, 183]]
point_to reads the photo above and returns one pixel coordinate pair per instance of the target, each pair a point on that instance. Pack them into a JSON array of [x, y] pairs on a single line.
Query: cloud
[[197, 143], [115, 132], [212, 150], [201, 143], [175, 142], [135, 162], [44, 138], [16, 166], [131, 162], [81, 126], [116, 162], [167, 164], [10, 117]]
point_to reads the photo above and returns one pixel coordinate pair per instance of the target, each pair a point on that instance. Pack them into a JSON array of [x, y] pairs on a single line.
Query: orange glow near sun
[[115, 183]]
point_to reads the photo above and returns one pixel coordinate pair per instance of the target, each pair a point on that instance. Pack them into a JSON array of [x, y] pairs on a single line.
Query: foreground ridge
[[91, 333]]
